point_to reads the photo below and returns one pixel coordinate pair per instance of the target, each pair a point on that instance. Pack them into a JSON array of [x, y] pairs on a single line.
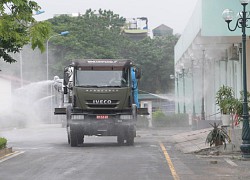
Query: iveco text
[[102, 101]]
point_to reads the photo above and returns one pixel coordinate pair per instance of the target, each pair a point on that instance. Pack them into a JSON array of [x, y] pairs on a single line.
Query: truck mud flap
[[59, 111]]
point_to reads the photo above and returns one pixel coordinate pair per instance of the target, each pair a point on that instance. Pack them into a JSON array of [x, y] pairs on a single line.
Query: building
[[136, 28], [162, 30], [163, 102], [209, 54]]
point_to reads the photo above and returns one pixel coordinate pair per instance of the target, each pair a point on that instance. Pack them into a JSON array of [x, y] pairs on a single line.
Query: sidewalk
[[194, 141]]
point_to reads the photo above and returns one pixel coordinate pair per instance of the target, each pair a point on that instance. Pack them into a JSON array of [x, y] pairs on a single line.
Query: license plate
[[102, 117]]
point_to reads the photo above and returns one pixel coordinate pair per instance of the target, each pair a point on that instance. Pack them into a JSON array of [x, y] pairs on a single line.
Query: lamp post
[[60, 34], [202, 87], [192, 61], [177, 84], [242, 23], [183, 76], [51, 101]]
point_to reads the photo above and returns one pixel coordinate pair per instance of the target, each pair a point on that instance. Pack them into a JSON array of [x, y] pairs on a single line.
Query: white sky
[[172, 13]]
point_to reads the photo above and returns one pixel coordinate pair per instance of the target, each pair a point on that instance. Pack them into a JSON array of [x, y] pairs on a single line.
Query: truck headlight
[[125, 116], [77, 116]]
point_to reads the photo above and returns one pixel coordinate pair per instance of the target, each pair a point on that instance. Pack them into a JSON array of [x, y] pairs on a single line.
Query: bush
[[158, 115], [170, 120], [3, 143]]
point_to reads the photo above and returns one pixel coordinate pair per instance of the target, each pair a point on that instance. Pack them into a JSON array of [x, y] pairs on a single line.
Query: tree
[[99, 35], [18, 27], [92, 35], [156, 58]]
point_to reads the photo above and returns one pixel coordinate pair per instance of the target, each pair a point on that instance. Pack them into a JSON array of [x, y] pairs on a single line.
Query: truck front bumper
[[105, 125]]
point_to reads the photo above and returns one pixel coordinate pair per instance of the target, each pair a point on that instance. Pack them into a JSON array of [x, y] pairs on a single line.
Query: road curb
[[5, 151], [10, 155]]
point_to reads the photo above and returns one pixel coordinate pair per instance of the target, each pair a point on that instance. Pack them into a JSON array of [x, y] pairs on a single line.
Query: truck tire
[[68, 117], [120, 139], [130, 138], [73, 138], [80, 138], [131, 133], [68, 134]]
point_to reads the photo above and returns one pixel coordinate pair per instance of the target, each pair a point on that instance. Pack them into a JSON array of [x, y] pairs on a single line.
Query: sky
[[174, 14]]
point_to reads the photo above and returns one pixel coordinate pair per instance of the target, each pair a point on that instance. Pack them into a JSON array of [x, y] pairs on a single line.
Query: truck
[[100, 98]]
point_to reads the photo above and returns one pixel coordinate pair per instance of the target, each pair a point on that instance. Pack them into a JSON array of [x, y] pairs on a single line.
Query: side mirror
[[65, 77], [138, 73], [65, 90]]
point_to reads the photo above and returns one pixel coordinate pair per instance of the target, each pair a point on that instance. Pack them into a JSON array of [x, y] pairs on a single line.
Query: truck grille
[[102, 104]]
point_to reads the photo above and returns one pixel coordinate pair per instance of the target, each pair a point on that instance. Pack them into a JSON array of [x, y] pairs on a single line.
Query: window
[[101, 78]]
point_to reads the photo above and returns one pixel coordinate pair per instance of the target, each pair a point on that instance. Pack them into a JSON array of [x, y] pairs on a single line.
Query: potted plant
[[217, 136], [225, 100]]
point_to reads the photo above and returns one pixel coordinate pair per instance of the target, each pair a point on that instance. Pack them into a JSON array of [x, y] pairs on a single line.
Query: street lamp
[[242, 23], [202, 87], [193, 87], [177, 84], [60, 34], [183, 76], [39, 12]]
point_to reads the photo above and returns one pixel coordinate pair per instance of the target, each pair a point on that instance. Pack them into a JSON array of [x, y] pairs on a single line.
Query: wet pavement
[[194, 142]]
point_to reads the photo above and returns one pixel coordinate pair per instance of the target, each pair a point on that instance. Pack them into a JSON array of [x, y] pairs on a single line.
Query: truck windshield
[[98, 78]]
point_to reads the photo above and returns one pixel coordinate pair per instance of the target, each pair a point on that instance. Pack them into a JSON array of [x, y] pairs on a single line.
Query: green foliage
[[99, 35], [18, 27], [162, 120], [224, 99], [3, 142], [217, 136], [158, 115], [156, 58], [228, 103], [239, 103], [91, 35]]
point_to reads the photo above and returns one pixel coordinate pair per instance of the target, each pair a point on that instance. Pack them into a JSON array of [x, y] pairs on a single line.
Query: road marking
[[11, 155], [170, 164], [229, 161]]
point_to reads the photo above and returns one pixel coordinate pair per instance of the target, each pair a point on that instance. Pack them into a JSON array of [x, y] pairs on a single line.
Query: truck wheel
[[73, 138], [80, 138], [68, 117], [68, 134], [131, 135], [120, 139], [130, 138]]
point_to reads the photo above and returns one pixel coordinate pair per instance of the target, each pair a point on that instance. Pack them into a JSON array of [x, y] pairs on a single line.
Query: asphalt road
[[42, 153]]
